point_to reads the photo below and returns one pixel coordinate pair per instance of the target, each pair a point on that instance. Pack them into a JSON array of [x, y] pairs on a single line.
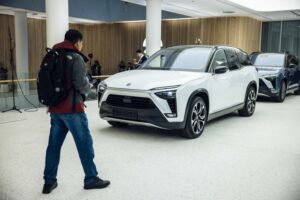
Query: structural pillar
[[21, 47], [57, 21], [153, 26]]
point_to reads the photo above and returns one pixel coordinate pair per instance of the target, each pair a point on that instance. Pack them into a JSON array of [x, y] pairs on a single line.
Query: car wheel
[[282, 92], [117, 124], [250, 103], [196, 119]]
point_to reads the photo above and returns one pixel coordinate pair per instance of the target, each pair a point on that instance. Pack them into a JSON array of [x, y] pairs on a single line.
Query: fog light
[[171, 115]]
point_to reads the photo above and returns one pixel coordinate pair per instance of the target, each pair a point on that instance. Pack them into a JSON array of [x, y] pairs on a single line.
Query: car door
[[237, 77], [221, 93], [292, 81]]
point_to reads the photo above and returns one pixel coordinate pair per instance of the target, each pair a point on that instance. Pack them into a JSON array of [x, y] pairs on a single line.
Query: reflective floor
[[236, 158]]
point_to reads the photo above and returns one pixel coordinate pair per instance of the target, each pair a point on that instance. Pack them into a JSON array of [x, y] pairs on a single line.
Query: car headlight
[[270, 78], [166, 88], [101, 87], [169, 94]]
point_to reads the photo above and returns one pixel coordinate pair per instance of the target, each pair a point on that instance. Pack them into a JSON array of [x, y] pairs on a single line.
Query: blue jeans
[[77, 124]]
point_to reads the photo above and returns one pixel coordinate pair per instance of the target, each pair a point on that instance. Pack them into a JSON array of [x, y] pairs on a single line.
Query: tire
[[282, 92], [250, 103], [196, 119], [117, 124]]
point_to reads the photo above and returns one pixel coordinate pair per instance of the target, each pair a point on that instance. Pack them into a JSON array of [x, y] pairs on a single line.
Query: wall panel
[[111, 43]]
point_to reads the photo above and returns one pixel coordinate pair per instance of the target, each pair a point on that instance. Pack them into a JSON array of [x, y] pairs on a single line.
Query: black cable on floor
[[35, 108]]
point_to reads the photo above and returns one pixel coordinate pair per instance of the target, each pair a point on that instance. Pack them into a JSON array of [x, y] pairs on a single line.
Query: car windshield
[[185, 59], [270, 60]]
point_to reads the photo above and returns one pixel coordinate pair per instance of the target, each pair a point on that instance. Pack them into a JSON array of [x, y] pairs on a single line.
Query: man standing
[[69, 115], [141, 56]]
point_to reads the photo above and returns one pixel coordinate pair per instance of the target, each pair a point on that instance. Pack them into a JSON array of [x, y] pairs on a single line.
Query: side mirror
[[221, 69], [292, 65]]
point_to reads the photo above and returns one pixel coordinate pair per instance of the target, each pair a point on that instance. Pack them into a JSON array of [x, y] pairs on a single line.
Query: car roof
[[271, 53], [203, 46]]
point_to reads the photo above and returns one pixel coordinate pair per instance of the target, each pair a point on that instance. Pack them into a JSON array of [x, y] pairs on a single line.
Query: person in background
[[141, 58], [68, 116], [95, 71], [130, 66], [121, 66], [96, 68]]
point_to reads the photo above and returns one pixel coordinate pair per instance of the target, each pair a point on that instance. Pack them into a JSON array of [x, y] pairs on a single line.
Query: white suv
[[181, 88]]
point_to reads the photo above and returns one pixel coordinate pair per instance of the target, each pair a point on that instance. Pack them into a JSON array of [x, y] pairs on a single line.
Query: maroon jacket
[[76, 78]]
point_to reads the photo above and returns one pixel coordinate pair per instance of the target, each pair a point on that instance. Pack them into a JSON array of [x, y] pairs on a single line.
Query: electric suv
[[279, 74], [181, 88]]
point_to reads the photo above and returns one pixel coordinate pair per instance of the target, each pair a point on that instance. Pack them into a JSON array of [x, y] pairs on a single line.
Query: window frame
[[211, 70]]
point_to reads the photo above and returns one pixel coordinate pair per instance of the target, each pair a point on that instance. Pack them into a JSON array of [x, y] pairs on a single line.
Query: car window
[[185, 59], [243, 57], [219, 59], [292, 60], [270, 59], [232, 58]]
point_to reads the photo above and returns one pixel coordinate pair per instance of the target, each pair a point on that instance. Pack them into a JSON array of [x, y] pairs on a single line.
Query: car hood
[[150, 79], [267, 71]]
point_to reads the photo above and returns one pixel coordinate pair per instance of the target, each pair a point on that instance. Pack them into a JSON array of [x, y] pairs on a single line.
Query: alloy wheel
[[198, 118], [251, 101]]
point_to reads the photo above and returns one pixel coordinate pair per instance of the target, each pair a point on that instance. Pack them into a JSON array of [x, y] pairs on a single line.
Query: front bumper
[[267, 88], [138, 107], [151, 116]]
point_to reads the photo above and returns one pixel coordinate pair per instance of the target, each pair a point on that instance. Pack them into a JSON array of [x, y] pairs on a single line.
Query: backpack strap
[[71, 78], [72, 87]]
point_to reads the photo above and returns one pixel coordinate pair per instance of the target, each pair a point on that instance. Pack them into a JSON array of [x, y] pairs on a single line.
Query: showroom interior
[[146, 118]]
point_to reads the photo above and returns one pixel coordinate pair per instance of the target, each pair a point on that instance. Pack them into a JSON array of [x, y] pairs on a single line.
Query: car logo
[[127, 100], [128, 84]]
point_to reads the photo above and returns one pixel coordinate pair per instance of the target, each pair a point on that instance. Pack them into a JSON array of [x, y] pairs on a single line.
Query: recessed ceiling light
[[269, 5], [228, 12]]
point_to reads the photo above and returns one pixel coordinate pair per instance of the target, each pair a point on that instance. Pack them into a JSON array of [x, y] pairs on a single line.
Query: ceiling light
[[228, 12], [269, 5]]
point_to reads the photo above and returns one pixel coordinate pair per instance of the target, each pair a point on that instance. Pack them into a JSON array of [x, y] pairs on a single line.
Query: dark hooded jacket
[[76, 80]]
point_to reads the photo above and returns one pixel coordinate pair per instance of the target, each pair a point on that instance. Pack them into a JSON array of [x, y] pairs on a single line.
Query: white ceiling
[[204, 8], [39, 15], [213, 8]]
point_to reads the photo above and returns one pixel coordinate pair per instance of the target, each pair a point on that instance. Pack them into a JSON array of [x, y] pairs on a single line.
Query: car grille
[[172, 104], [130, 102]]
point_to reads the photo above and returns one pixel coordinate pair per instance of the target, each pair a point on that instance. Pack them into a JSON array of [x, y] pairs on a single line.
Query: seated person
[[122, 66]]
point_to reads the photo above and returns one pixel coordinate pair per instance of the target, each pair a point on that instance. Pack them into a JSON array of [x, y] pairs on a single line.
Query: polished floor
[[236, 158]]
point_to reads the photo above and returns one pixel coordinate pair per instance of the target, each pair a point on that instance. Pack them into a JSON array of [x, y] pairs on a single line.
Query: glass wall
[[281, 37]]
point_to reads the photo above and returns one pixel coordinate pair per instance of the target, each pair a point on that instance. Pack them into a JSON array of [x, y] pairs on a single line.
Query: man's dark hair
[[73, 36], [139, 51]]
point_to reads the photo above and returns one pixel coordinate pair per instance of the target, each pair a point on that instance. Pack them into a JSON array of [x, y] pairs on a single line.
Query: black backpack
[[52, 83]]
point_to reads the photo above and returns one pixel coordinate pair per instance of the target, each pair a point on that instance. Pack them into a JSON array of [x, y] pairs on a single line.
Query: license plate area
[[125, 114]]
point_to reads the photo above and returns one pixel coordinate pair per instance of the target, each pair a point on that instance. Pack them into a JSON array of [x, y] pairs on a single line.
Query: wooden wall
[[6, 24], [111, 43]]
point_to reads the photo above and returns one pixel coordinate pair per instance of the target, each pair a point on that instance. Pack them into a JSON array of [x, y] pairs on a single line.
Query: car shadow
[[137, 131], [268, 99]]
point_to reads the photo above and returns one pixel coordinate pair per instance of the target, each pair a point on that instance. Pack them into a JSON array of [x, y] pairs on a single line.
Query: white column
[[57, 21], [21, 46], [153, 26]]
